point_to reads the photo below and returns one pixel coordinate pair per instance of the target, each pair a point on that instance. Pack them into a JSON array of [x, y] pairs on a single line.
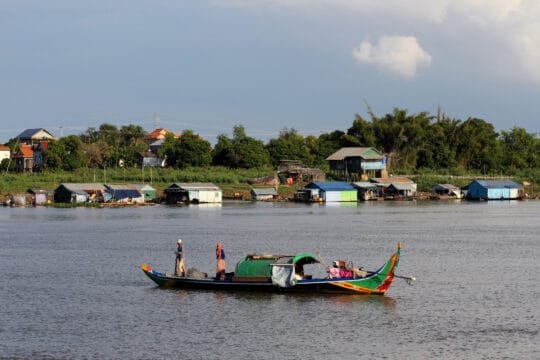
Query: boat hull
[[376, 282]]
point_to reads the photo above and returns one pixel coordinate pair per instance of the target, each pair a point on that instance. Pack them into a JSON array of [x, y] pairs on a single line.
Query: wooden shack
[[78, 192], [263, 194]]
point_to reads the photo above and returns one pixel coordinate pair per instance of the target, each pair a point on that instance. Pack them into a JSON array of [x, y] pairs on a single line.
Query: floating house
[[38, 196], [494, 190], [367, 190], [262, 194], [194, 193], [78, 192], [336, 191], [358, 163], [122, 194], [402, 185], [400, 189], [448, 190], [149, 192]]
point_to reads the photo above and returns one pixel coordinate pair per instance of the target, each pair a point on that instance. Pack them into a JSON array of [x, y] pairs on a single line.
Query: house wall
[[339, 196], [498, 193], [4, 155], [205, 196]]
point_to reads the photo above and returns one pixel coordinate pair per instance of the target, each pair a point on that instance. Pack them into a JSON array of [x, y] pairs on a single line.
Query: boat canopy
[[304, 258], [260, 265]]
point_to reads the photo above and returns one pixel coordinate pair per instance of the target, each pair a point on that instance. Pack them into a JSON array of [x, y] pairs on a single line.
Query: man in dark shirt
[[179, 269]]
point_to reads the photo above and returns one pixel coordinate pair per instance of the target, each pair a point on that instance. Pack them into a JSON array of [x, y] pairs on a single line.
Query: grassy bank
[[228, 179]]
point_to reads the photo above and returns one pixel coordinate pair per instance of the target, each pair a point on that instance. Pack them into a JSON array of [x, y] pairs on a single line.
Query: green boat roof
[[305, 258], [261, 265]]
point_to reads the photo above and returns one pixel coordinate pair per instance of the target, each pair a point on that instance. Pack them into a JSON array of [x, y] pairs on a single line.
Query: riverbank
[[233, 182]]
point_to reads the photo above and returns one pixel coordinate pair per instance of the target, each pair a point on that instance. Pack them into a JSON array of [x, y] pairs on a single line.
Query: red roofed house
[[160, 134], [24, 158]]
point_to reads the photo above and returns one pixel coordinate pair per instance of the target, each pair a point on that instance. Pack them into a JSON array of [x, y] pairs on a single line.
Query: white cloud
[[401, 55], [511, 29]]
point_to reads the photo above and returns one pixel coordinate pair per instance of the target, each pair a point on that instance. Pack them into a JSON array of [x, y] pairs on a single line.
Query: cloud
[[506, 29], [401, 55]]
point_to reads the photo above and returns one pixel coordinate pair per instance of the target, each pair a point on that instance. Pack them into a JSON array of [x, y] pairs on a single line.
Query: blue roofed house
[[335, 191], [123, 194], [358, 163], [494, 190]]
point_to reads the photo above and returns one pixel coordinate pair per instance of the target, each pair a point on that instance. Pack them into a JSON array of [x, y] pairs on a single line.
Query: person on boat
[[179, 268], [220, 261]]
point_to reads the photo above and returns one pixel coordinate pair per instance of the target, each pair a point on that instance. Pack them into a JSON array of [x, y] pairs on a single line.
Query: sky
[[311, 65]]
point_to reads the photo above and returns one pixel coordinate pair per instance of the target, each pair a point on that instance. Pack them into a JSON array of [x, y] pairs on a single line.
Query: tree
[[362, 131], [132, 142], [65, 153], [289, 146], [241, 151], [188, 150], [477, 146], [520, 149]]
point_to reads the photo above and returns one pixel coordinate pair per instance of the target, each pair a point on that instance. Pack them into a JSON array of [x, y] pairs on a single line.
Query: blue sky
[[266, 64]]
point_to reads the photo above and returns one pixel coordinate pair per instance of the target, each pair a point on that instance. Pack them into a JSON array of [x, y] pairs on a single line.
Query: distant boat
[[271, 180], [285, 273]]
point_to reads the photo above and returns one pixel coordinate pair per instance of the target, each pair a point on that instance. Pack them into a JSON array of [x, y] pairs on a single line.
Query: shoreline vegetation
[[233, 182]]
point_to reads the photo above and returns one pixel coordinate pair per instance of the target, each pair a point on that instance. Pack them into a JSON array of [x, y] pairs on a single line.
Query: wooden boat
[[285, 273]]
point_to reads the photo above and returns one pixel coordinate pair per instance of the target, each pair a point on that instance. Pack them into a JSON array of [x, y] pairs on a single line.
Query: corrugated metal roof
[[445, 187], [124, 193], [331, 186], [392, 180], [403, 186], [83, 187], [29, 133], [141, 187], [196, 186], [499, 184], [264, 191], [364, 185], [364, 152]]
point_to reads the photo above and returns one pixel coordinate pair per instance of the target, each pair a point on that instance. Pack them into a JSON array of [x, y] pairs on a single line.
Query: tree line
[[411, 142]]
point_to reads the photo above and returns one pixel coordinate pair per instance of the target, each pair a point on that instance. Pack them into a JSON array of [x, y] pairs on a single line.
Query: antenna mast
[[156, 120]]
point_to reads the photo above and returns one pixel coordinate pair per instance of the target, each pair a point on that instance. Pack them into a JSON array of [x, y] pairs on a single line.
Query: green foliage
[[65, 154], [241, 151], [290, 145], [188, 150]]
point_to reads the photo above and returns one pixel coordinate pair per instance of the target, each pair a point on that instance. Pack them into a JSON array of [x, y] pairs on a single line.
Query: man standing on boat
[[179, 269], [220, 259]]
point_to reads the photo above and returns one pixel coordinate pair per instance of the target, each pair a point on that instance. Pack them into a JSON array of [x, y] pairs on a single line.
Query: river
[[72, 287]]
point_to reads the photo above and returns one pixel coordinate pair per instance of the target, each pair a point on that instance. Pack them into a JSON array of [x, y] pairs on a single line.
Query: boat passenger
[[220, 261], [333, 272], [179, 268]]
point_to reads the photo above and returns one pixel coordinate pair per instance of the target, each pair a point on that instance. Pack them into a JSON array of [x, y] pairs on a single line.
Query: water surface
[[72, 287]]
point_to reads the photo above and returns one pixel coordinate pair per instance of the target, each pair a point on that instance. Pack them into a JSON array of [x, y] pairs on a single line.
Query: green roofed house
[[358, 163], [149, 192]]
